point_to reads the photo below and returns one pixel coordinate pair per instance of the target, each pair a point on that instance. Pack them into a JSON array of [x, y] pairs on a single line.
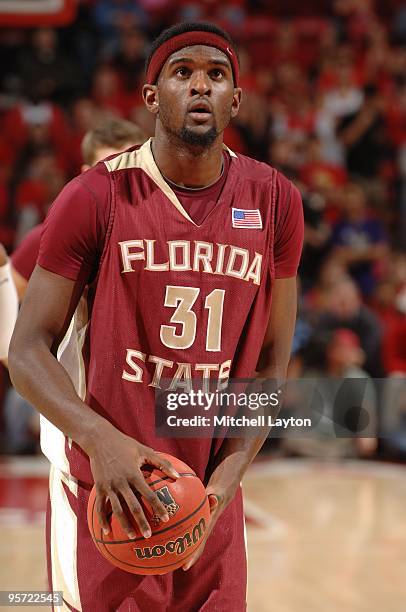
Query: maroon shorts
[[217, 583]]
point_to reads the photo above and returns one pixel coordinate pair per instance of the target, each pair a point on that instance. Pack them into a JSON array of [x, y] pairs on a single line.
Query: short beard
[[201, 141]]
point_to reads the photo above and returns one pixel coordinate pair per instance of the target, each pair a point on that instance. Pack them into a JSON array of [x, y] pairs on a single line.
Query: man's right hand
[[116, 461]]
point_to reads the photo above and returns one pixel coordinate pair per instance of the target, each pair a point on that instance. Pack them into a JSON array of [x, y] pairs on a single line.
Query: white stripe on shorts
[[63, 539]]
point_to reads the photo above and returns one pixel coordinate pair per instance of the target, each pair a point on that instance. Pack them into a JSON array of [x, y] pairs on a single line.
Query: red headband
[[188, 39]]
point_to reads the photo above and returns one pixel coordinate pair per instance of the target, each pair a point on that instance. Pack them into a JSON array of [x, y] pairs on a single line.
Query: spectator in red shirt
[[29, 124], [319, 174]]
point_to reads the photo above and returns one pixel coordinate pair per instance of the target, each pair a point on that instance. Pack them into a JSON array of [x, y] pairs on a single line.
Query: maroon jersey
[[168, 300], [25, 256]]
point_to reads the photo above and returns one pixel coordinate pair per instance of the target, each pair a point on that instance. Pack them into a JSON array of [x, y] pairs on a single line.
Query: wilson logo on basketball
[[177, 546]]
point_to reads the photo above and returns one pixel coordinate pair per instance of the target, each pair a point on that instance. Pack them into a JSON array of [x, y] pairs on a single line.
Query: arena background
[[325, 102]]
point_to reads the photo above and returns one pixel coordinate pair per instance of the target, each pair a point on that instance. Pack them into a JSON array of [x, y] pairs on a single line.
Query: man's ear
[[151, 98], [236, 101]]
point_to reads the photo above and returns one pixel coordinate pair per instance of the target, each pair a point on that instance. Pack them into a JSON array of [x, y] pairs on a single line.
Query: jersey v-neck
[[198, 203], [143, 158]]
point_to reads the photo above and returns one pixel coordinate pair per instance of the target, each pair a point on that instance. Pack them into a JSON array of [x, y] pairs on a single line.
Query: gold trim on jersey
[[142, 158], [71, 358]]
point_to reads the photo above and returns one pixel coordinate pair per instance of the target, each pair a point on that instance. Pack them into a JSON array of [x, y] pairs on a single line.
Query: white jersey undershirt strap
[[8, 308]]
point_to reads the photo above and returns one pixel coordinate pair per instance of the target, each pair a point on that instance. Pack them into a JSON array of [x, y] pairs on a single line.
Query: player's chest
[[153, 234]]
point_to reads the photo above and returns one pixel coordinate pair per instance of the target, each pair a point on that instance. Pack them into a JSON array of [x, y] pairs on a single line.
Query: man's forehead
[[198, 52]]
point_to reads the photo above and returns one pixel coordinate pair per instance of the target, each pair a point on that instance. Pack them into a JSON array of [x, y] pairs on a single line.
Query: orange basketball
[[171, 543]]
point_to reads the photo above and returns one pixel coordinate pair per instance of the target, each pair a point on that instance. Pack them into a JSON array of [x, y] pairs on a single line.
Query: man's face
[[195, 97]]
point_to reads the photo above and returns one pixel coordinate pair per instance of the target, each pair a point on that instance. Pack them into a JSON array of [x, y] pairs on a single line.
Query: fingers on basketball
[[101, 511], [153, 504], [119, 513], [164, 465], [137, 512]]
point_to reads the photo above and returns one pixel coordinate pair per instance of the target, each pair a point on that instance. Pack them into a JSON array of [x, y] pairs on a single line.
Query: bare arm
[[38, 376], [236, 454], [34, 370]]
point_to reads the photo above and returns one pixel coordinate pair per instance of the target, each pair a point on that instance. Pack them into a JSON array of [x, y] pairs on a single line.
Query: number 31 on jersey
[[183, 299]]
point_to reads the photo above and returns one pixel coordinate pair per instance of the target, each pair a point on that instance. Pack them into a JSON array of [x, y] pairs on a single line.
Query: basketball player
[[113, 135], [183, 245]]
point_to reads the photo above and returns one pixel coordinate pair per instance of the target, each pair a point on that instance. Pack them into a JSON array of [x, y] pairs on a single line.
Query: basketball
[[171, 543]]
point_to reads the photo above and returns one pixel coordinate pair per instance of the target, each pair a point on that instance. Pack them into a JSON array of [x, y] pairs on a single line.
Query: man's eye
[[217, 73], [182, 71]]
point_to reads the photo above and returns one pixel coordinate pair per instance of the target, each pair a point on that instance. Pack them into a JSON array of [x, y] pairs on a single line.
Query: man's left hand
[[219, 497]]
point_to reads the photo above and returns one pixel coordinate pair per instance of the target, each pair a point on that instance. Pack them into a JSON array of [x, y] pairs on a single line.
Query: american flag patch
[[248, 219]]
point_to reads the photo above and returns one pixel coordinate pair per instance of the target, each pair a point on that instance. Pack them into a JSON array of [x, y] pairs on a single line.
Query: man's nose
[[200, 83]]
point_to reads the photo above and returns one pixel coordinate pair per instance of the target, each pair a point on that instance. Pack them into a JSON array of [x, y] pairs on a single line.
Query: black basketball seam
[[169, 478]]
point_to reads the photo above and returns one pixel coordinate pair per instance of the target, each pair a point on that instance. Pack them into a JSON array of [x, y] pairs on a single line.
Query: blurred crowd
[[324, 101]]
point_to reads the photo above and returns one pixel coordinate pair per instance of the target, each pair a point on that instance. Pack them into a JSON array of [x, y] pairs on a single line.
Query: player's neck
[[183, 166]]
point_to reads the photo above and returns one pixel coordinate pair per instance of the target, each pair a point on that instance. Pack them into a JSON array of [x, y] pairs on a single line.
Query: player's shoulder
[[133, 157], [255, 170], [251, 169], [93, 184], [95, 174], [287, 190]]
